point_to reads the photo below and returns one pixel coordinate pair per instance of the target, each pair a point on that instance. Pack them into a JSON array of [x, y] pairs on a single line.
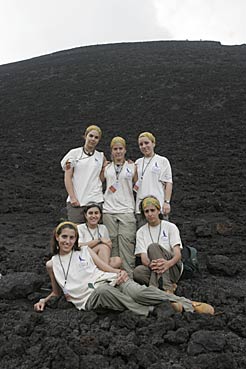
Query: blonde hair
[[150, 136], [93, 128], [118, 140]]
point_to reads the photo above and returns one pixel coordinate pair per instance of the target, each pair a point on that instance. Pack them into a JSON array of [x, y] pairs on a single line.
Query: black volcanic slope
[[191, 95]]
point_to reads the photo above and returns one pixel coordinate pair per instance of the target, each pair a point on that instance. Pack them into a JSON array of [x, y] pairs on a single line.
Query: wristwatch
[[167, 202]]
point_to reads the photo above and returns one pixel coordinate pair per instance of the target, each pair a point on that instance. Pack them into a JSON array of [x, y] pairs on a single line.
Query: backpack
[[190, 262]]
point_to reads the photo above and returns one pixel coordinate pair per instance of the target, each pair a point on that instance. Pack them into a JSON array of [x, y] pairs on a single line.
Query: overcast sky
[[31, 28]]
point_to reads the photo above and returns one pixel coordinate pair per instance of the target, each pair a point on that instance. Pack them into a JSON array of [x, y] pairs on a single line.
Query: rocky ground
[[191, 95]]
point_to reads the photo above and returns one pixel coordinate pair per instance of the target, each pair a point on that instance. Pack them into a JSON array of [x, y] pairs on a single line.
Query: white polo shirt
[[166, 234], [86, 181], [152, 174]]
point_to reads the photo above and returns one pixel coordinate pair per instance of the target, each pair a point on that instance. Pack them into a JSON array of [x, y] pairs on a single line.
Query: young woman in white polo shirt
[[119, 204], [158, 244], [96, 236], [82, 167], [154, 176]]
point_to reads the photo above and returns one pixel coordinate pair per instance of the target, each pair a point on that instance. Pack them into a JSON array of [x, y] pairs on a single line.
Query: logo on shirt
[[83, 262], [156, 168], [164, 236], [128, 173]]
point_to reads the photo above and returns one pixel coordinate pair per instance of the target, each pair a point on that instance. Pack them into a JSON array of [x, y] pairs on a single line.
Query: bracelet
[[167, 202], [42, 300]]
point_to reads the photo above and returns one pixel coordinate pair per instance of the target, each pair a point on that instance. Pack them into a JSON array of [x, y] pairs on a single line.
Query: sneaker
[[202, 308]]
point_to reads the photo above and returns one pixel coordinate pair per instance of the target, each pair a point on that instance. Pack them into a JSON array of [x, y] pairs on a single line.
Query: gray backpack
[[190, 261]]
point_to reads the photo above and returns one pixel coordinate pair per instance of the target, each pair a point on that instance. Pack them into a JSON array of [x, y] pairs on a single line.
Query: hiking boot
[[177, 307], [202, 308]]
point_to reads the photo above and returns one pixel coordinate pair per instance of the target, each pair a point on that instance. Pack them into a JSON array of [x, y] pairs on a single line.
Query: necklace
[[88, 153], [158, 234], [65, 273], [93, 234], [147, 164]]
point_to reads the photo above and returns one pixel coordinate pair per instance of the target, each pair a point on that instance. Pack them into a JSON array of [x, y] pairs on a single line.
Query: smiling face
[[66, 240], [93, 216], [151, 214], [118, 152], [91, 140], [146, 146]]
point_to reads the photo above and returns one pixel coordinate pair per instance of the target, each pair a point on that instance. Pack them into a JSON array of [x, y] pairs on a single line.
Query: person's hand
[[39, 306], [166, 208], [160, 266], [74, 202], [106, 163], [122, 277]]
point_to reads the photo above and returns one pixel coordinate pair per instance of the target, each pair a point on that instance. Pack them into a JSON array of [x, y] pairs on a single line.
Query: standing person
[[119, 204], [90, 284], [95, 235], [158, 244], [82, 168], [154, 176]]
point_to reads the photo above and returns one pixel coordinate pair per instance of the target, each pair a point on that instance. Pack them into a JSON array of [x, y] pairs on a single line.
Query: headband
[[150, 136], [151, 201], [93, 128], [118, 140], [66, 223]]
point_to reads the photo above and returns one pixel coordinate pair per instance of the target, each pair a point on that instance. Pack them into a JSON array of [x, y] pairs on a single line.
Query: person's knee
[[155, 251], [115, 262], [103, 248], [103, 290]]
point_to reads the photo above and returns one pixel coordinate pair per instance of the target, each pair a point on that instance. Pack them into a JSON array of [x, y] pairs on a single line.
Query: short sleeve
[[103, 231], [141, 246], [174, 236], [166, 171]]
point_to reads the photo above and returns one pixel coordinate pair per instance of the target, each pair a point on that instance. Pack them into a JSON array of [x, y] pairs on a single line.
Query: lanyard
[[144, 169], [118, 169], [158, 234], [65, 273], [91, 234]]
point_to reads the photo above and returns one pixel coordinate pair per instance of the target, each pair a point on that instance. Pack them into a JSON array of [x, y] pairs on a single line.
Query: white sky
[[31, 28]]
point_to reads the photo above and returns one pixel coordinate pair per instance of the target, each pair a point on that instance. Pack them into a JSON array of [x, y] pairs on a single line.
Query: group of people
[[94, 252]]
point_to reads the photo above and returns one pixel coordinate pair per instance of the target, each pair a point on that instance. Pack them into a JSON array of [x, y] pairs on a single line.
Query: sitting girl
[[159, 246], [96, 235]]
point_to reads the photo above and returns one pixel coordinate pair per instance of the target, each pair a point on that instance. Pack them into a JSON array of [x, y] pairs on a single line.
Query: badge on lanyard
[[113, 188], [66, 293], [137, 185]]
